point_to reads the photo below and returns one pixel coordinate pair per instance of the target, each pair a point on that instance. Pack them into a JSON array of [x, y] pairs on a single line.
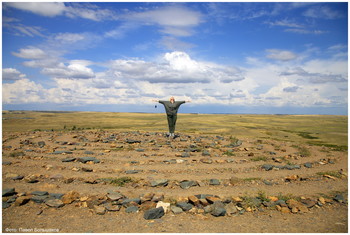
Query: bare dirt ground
[[129, 162]]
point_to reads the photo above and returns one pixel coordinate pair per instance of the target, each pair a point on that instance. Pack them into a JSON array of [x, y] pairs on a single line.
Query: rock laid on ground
[[206, 160], [114, 196], [298, 205], [186, 184], [69, 159], [130, 141], [176, 209], [54, 203], [160, 182], [214, 182], [88, 159], [41, 144], [267, 167], [194, 200], [132, 171], [39, 193], [132, 209], [339, 198], [39, 199], [184, 206], [165, 205], [100, 210], [218, 209], [154, 213], [308, 165], [20, 201], [110, 207], [8, 192], [70, 197]]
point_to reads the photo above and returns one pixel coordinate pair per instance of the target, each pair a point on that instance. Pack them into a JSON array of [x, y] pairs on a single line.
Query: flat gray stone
[[160, 182], [176, 209], [69, 159], [88, 159], [186, 184], [214, 182], [39, 193], [132, 209], [8, 192], [184, 206], [57, 203], [154, 213]]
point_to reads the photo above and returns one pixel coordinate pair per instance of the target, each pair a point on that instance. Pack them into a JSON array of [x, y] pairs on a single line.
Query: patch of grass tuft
[[262, 196], [286, 197], [17, 154], [304, 152], [122, 181], [335, 174], [249, 179], [229, 153], [260, 158], [306, 135]]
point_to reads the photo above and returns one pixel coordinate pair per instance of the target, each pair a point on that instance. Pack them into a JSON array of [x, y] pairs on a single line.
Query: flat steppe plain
[[299, 157]]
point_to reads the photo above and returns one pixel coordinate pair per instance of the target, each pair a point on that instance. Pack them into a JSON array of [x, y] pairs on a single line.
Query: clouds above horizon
[[76, 67]]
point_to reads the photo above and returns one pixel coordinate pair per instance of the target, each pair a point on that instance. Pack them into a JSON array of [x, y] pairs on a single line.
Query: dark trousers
[[172, 122]]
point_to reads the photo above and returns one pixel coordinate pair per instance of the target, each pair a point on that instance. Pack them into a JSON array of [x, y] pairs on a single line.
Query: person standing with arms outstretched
[[171, 108]]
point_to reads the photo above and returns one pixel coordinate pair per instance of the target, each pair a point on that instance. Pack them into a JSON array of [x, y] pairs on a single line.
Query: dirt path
[[129, 162]]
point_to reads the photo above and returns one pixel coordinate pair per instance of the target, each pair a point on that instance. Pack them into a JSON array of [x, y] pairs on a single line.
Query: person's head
[[172, 99]]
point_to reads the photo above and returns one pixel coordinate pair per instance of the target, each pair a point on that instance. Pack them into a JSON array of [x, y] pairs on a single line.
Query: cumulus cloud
[[30, 53], [75, 70], [22, 91], [291, 89], [135, 80], [282, 55], [314, 77], [12, 74], [176, 67]]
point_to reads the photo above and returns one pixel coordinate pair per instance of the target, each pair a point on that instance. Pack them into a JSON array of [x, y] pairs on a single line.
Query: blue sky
[[230, 57]]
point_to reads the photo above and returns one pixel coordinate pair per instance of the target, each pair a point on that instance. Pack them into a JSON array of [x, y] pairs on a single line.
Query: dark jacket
[[171, 108]]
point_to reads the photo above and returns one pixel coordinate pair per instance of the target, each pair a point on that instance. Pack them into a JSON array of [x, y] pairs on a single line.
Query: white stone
[[165, 205]]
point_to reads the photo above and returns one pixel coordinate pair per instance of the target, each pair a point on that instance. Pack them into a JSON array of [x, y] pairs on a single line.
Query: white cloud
[[50, 9], [129, 81], [174, 44], [72, 10], [285, 23], [172, 20], [69, 37], [322, 12], [12, 74], [23, 30], [176, 67], [306, 31], [22, 91], [282, 55], [30, 53], [89, 11], [75, 70], [171, 16]]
